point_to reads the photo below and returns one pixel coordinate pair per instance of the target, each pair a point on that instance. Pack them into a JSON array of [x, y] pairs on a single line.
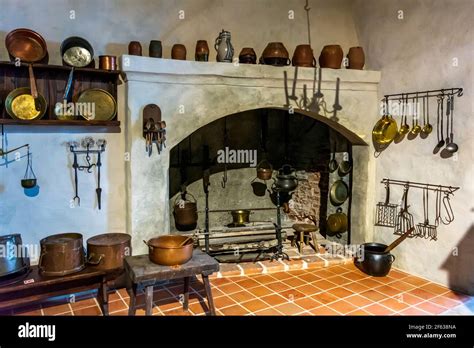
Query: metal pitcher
[[223, 46]]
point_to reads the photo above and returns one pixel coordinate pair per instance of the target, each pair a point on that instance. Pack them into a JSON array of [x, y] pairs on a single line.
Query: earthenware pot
[[202, 51], [303, 56], [331, 57], [178, 52], [155, 49], [135, 48], [356, 58], [275, 54], [247, 56]]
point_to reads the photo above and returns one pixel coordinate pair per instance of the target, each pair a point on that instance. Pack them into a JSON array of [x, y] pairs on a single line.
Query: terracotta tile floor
[[335, 290]]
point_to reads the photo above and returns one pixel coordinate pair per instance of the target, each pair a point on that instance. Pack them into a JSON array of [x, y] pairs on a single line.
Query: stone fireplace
[[195, 96]]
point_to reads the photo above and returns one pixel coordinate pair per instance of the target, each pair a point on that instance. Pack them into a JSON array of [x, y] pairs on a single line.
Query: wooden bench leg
[[103, 297], [132, 291], [210, 301], [315, 242], [148, 299], [301, 246], [186, 293]]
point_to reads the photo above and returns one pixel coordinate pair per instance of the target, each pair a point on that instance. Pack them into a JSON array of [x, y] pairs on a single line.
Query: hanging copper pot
[[185, 212]]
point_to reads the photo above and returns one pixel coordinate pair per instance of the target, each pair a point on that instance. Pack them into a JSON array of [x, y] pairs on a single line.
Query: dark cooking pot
[[373, 260], [185, 212], [14, 260], [286, 179]]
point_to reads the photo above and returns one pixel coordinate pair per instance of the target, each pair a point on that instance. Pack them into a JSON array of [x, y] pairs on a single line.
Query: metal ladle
[[416, 128], [440, 116], [452, 147], [427, 128], [404, 127]]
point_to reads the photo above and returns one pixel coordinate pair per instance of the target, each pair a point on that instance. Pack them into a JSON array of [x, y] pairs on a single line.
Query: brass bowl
[[167, 250]]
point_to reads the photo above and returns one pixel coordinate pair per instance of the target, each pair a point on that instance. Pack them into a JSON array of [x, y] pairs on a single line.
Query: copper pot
[[108, 62], [107, 251], [185, 213], [178, 52], [275, 54], [331, 57], [247, 56], [135, 48], [303, 56], [61, 254], [202, 51], [169, 250], [356, 58], [264, 170]]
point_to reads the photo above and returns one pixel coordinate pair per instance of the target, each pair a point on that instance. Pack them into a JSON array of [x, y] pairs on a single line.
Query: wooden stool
[[144, 273], [302, 230]]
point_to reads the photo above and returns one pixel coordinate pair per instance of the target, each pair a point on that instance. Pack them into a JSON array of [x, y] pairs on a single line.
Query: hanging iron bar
[[427, 94], [412, 184]]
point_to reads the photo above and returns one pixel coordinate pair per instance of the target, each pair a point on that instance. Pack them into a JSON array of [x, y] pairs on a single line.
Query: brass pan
[[20, 104], [104, 104], [385, 130], [338, 193]]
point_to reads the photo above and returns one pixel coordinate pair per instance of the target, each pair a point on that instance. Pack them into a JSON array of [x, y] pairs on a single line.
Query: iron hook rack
[[412, 184], [458, 91]]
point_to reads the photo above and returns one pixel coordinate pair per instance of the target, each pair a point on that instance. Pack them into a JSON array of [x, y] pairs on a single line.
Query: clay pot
[[303, 56], [275, 54], [178, 52], [202, 51], [135, 48], [247, 56], [356, 58], [155, 49], [331, 57]]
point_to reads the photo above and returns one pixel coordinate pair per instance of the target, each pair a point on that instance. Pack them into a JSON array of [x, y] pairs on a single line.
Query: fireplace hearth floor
[[335, 290]]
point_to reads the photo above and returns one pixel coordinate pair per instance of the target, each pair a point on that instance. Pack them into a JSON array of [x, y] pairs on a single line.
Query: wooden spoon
[[184, 242], [399, 240]]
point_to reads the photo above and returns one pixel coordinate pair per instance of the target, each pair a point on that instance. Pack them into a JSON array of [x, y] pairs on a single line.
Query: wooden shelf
[[51, 82]]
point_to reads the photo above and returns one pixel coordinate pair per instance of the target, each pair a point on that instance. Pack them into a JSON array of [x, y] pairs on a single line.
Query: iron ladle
[[452, 147]]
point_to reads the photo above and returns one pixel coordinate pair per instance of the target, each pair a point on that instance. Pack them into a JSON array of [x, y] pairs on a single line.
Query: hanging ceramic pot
[[331, 57], [356, 58]]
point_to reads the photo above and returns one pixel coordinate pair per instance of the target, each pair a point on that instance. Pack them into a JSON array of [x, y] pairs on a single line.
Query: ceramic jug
[[223, 46]]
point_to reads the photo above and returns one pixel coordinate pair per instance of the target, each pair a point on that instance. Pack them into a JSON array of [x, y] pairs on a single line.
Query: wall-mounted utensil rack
[[435, 93], [413, 184]]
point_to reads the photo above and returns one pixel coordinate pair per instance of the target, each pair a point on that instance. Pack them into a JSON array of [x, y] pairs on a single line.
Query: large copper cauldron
[[170, 250], [61, 254], [107, 251]]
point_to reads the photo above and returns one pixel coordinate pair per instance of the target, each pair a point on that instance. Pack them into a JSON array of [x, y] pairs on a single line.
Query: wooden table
[[144, 273], [35, 288]]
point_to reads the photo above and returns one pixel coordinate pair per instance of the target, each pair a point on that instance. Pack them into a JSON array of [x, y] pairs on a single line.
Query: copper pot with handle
[[107, 251], [170, 250]]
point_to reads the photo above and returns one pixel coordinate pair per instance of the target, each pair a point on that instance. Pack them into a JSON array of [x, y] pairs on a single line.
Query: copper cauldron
[[61, 254], [170, 250], [107, 251]]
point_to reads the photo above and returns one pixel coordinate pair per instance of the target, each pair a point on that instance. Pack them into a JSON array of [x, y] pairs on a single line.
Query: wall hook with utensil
[[154, 129], [88, 146]]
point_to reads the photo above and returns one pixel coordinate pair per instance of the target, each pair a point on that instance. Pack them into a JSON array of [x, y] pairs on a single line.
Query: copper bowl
[[169, 251]]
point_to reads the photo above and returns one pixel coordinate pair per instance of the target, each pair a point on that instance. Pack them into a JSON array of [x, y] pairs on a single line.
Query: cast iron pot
[[169, 251], [374, 260], [13, 263]]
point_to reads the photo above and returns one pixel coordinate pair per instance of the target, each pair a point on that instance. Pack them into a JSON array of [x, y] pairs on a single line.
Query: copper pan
[[29, 47], [170, 250]]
